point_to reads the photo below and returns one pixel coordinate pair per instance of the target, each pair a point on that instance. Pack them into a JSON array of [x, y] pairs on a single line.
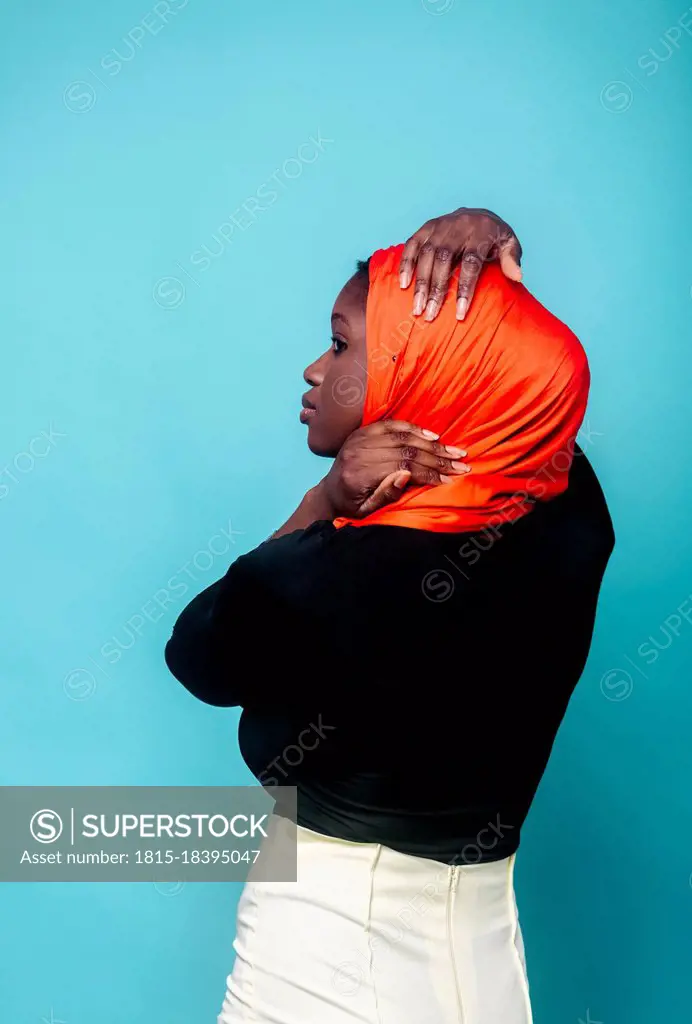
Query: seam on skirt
[[251, 1017], [368, 926], [451, 903], [247, 1010], [514, 915]]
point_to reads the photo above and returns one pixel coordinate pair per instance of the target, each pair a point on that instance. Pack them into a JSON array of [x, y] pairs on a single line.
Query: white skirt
[[373, 936]]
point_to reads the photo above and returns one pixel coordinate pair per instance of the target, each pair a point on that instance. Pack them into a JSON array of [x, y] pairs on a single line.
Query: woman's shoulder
[[324, 568]]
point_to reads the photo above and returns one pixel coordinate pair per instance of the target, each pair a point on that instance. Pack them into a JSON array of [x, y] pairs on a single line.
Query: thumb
[[510, 258], [388, 491]]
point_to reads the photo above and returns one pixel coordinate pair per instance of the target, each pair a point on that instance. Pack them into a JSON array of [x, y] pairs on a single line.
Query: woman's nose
[[314, 373]]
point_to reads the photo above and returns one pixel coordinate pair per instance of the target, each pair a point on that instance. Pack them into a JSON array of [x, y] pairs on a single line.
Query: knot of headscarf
[[509, 384]]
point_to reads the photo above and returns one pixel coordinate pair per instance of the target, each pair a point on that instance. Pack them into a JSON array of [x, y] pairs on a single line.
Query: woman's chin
[[320, 446]]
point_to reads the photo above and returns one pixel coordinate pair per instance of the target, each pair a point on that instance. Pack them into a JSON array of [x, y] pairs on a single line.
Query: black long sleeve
[[237, 642], [436, 668]]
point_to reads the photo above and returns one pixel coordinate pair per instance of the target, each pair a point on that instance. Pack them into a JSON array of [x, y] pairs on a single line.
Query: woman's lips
[[308, 410]]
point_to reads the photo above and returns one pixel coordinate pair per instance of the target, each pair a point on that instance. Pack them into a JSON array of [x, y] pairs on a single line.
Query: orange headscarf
[[509, 384]]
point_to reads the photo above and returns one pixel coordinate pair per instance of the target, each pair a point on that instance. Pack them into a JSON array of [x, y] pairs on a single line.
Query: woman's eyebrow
[[340, 316]]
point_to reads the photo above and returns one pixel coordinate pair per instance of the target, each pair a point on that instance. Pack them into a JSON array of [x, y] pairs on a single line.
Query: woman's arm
[[277, 630], [314, 507], [221, 633]]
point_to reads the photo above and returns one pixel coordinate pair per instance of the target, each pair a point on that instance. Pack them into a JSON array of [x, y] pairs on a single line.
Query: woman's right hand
[[378, 461]]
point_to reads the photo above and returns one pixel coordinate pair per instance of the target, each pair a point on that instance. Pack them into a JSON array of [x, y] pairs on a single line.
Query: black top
[[409, 684]]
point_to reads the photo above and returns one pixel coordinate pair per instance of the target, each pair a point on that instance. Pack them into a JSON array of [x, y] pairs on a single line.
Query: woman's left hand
[[471, 237]]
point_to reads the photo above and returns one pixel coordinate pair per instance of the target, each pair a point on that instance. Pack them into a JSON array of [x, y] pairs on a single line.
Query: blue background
[[174, 416]]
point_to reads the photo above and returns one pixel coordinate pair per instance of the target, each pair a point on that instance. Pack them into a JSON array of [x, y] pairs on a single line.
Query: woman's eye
[[338, 345]]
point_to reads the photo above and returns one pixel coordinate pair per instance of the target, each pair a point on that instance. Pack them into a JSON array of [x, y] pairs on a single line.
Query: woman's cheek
[[348, 392]]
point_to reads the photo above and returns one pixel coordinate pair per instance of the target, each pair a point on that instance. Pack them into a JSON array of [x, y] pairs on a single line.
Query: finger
[[510, 258], [429, 476], [421, 290], [408, 259], [379, 462], [411, 458], [469, 272], [388, 491], [424, 468], [439, 282], [394, 427], [420, 474], [379, 459], [402, 432]]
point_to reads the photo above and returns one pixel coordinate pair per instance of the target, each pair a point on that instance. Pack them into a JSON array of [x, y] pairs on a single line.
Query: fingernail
[[459, 452], [430, 435], [462, 307], [431, 310], [418, 304], [401, 481], [461, 466], [404, 279], [446, 479]]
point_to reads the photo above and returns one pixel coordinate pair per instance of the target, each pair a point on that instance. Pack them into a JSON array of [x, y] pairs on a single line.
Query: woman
[[430, 604]]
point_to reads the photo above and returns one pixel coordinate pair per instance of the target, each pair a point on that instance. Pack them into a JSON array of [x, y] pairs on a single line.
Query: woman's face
[[333, 407]]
